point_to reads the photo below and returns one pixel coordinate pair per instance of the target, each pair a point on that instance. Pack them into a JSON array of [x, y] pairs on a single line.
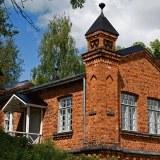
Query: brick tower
[[102, 93]]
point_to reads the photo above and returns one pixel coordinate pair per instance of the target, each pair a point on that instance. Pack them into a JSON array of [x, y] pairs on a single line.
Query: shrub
[[19, 148]]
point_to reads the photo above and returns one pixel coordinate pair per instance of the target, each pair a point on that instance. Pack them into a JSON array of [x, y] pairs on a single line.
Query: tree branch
[[8, 14], [20, 11]]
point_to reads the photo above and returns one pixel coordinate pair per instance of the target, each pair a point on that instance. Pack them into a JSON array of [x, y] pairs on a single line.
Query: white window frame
[[65, 115], [7, 121], [129, 112], [154, 116]]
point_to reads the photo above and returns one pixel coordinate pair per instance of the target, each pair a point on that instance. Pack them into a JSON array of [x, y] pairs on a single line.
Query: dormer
[[101, 34]]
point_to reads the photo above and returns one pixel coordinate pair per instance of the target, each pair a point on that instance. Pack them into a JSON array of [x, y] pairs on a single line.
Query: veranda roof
[[18, 102]]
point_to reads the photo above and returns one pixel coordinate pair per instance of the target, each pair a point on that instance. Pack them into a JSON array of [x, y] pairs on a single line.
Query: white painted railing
[[33, 138]]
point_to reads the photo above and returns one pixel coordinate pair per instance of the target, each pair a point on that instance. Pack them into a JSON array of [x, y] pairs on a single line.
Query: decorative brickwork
[[101, 39]]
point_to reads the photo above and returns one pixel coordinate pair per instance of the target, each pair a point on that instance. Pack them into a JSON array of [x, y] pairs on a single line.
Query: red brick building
[[112, 110]]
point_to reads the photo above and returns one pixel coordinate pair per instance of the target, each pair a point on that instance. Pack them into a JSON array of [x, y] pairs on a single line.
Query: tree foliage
[[58, 49], [143, 45], [154, 48], [12, 147], [10, 61], [19, 148], [5, 27], [77, 3], [119, 48]]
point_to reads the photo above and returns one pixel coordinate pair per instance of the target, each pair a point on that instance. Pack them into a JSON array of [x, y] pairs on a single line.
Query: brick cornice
[[63, 135], [139, 135], [101, 55], [100, 33]]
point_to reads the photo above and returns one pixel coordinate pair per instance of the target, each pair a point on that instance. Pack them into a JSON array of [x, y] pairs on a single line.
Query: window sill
[[63, 135], [139, 135]]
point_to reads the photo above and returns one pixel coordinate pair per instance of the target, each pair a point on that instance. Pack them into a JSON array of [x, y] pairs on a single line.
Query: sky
[[134, 20]]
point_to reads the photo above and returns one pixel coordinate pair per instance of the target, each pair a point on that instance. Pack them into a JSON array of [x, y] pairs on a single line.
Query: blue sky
[[28, 41], [134, 21]]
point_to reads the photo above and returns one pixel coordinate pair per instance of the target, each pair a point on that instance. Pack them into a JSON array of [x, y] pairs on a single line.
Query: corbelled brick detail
[[99, 38]]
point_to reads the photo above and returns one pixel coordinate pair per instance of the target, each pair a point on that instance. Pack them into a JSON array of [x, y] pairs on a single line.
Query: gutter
[[91, 149], [48, 85]]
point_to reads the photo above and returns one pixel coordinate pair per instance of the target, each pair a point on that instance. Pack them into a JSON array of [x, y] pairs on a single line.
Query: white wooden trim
[[26, 104], [41, 123], [35, 105], [11, 99], [11, 122], [27, 119], [24, 121]]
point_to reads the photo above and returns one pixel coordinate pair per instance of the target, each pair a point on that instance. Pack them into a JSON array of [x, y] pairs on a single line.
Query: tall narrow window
[[65, 115], [129, 118], [7, 121], [154, 116]]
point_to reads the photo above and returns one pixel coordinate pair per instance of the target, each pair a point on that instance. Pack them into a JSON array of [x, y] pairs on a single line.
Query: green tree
[[5, 27], [143, 45], [155, 47], [77, 3], [58, 49], [19, 148], [119, 48], [10, 62]]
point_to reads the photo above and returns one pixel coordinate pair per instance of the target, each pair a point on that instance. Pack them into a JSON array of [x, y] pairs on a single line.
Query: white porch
[[25, 113]]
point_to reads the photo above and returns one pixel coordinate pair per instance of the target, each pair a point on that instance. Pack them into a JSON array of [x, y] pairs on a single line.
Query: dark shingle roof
[[31, 99], [103, 24], [130, 50], [18, 84]]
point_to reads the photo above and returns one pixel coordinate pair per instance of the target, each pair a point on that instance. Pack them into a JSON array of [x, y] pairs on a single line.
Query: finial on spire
[[101, 5]]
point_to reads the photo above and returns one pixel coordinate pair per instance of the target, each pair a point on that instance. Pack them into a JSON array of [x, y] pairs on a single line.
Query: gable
[[140, 74], [142, 54], [18, 101]]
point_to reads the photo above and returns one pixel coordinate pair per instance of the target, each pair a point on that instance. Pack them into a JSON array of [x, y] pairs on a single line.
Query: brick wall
[[2, 103], [50, 122], [101, 97], [140, 76]]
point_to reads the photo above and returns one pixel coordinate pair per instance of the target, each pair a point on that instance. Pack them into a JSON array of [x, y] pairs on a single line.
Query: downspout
[[84, 110]]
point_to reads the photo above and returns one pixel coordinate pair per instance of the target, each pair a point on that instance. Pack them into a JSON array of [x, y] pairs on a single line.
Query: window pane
[[154, 116], [128, 112], [65, 114]]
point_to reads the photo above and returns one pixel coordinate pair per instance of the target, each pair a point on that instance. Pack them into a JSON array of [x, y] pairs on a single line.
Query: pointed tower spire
[[101, 27]]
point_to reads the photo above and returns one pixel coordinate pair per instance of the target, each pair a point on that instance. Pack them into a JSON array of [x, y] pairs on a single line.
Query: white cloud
[[134, 20]]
